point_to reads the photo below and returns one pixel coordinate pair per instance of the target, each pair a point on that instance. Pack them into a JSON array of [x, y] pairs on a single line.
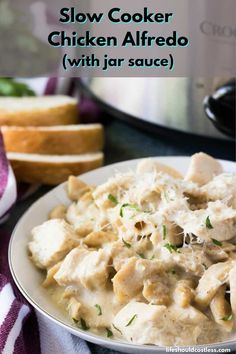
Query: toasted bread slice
[[38, 111], [51, 169], [56, 140]]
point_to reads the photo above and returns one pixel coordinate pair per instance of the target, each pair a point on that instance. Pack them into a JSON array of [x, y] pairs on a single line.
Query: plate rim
[[89, 336]]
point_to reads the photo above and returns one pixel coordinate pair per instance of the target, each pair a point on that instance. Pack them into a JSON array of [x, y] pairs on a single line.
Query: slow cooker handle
[[220, 108]]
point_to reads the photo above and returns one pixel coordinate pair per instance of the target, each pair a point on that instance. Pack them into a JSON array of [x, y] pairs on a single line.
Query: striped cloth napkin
[[12, 315], [13, 309], [23, 330]]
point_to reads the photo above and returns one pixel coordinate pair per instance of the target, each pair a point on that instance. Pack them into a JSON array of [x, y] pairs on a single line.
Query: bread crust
[[51, 173], [53, 142], [61, 115]]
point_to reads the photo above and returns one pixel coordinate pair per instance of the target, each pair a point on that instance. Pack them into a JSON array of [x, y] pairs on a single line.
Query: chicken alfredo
[[149, 256]]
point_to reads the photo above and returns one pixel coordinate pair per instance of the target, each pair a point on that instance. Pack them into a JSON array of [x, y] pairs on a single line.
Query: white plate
[[29, 279]]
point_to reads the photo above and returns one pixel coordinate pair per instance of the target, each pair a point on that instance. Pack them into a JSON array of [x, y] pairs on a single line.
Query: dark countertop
[[124, 142]]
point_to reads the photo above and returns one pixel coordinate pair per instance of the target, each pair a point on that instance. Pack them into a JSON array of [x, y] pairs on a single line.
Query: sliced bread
[[38, 111], [51, 169], [57, 140]]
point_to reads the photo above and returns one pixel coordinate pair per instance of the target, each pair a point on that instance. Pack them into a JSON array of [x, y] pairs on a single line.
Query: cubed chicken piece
[[151, 165], [59, 212], [81, 266], [189, 323], [188, 315], [218, 222], [213, 278], [76, 188], [221, 309], [222, 187], [140, 323], [202, 168], [128, 281], [192, 326], [51, 241], [99, 238]]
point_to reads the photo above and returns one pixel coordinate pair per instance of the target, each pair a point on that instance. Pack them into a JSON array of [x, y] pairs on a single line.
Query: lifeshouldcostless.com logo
[[197, 350]]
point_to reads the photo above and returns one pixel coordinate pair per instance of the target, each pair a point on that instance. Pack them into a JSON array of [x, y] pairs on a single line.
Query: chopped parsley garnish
[[216, 242], [99, 309], [153, 257], [75, 320], [164, 231], [227, 318], [127, 205], [109, 332], [173, 271], [208, 223], [204, 266], [171, 247], [141, 255], [131, 320], [83, 324], [117, 329], [126, 244], [112, 199]]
